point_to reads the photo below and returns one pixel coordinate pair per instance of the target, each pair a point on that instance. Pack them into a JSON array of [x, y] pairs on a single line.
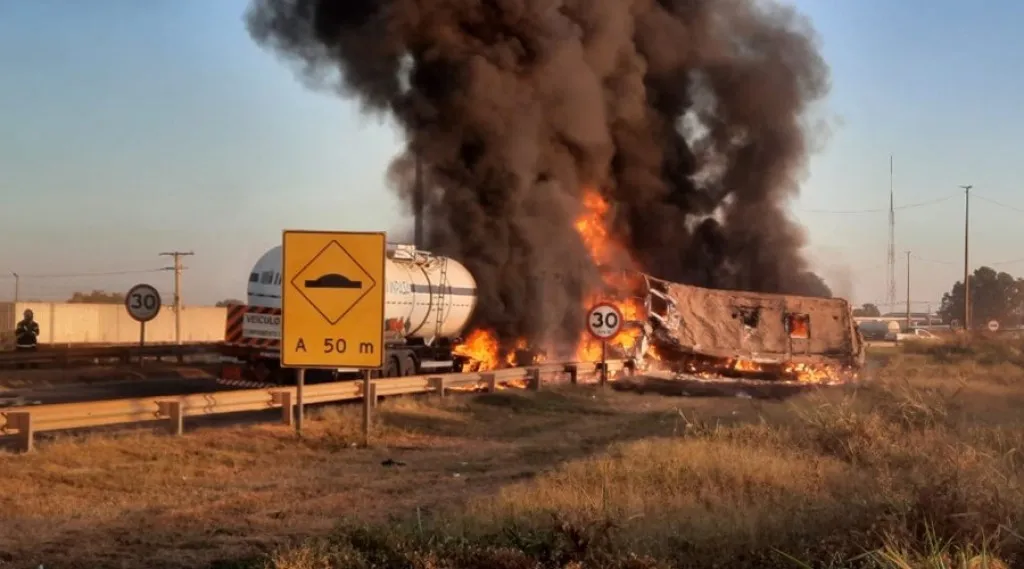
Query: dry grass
[[147, 500], [918, 467]]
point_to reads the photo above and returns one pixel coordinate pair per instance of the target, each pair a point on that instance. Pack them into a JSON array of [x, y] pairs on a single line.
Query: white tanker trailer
[[428, 301]]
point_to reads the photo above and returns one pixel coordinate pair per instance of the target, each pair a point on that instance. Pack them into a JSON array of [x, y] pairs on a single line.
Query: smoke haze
[[685, 114]]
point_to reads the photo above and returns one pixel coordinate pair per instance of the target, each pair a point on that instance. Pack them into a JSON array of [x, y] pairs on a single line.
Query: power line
[[998, 203], [916, 258], [1008, 262], [883, 210], [78, 275], [866, 269], [992, 264]]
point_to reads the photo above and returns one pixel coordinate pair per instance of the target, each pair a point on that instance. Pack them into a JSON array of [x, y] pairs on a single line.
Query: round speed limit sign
[[604, 321], [143, 302]]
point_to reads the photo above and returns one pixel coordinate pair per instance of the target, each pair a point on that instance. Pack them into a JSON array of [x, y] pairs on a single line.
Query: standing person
[[26, 334]]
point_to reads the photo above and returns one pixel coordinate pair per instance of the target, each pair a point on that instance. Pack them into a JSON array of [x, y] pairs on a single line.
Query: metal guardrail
[[61, 357], [23, 422]]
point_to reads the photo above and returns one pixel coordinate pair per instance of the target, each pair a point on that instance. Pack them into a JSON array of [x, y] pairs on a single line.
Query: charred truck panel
[[688, 321]]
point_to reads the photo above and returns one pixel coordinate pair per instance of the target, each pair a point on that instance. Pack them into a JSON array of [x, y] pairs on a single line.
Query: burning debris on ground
[[579, 151]]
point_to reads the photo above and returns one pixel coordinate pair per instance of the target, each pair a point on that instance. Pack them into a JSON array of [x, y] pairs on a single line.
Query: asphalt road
[[125, 389]]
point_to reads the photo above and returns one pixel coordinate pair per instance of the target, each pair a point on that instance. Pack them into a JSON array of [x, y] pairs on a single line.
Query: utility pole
[[177, 289], [967, 286], [17, 285], [908, 291], [890, 275]]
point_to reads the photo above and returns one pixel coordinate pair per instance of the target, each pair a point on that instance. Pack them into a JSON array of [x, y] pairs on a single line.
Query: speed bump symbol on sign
[[332, 303]]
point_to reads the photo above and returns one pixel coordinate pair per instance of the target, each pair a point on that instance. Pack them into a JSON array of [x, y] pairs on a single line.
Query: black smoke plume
[[685, 114]]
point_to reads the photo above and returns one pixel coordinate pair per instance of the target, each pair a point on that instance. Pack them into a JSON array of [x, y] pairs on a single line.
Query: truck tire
[[392, 368], [408, 365]]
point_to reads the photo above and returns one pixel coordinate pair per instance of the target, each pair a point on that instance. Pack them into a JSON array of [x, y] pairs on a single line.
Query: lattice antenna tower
[[890, 277]]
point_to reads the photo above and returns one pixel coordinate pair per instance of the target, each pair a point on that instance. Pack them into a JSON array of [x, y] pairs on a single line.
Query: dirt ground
[[142, 499], [669, 467]]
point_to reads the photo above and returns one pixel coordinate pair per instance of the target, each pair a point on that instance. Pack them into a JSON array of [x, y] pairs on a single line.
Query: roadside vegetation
[[917, 466]]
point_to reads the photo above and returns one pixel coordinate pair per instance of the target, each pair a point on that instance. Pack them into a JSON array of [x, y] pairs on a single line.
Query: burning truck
[[430, 301], [701, 331], [682, 328]]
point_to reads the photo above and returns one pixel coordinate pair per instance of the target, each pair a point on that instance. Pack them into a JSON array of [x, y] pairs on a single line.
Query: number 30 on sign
[[604, 321], [143, 302]]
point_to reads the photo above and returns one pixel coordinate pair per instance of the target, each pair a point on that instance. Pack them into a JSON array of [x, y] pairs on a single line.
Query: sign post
[[993, 325], [604, 320], [332, 306], [143, 304]]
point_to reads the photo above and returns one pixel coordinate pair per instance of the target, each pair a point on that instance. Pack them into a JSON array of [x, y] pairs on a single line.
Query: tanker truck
[[428, 301]]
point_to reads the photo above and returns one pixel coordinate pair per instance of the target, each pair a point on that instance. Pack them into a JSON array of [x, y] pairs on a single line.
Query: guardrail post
[[491, 380], [175, 417], [437, 383], [369, 393], [284, 399], [533, 378], [22, 422], [573, 372]]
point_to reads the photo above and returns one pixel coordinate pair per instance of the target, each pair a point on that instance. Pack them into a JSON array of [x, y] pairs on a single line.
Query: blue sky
[[132, 128]]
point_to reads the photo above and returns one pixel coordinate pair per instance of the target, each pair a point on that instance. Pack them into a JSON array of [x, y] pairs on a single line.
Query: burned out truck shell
[[759, 327]]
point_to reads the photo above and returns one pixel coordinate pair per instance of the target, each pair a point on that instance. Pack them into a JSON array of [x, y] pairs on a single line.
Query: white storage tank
[[425, 296]]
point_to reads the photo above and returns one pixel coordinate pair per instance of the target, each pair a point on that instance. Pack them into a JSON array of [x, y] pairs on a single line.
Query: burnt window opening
[[659, 305], [798, 325], [750, 316]]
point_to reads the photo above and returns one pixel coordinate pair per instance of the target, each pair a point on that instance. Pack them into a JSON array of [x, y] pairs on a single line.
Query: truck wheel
[[392, 368], [408, 365]]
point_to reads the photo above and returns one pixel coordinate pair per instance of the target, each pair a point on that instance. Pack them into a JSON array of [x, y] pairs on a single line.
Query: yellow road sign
[[332, 299]]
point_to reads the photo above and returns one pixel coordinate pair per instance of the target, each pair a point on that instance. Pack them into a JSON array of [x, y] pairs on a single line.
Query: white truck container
[[428, 301]]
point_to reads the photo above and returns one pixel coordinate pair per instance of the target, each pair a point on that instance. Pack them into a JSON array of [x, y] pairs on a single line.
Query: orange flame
[[805, 373], [791, 371], [746, 365], [481, 346], [510, 357], [592, 226]]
